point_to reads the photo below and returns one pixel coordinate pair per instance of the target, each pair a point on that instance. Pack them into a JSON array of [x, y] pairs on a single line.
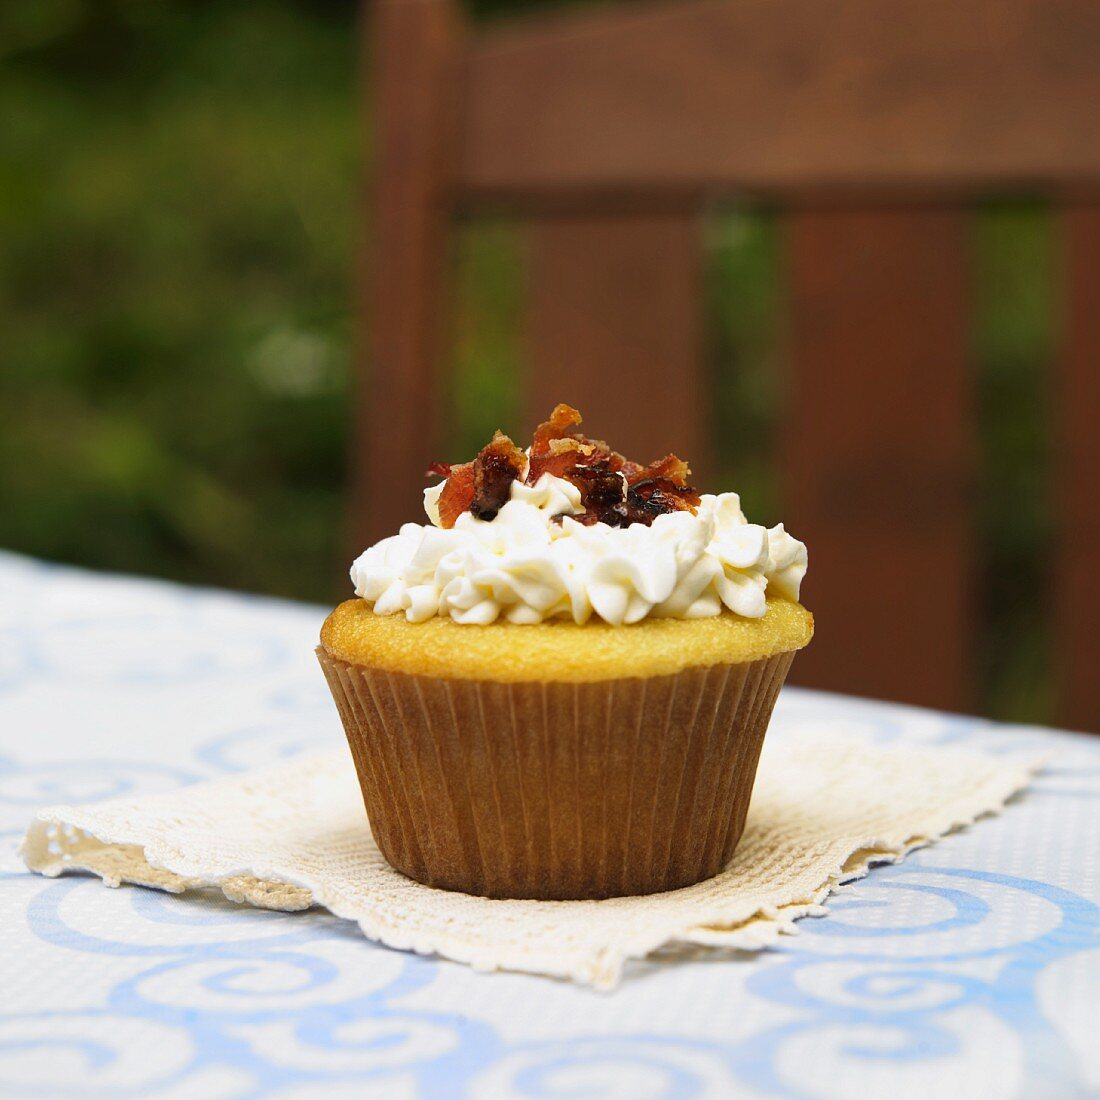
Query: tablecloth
[[971, 969]]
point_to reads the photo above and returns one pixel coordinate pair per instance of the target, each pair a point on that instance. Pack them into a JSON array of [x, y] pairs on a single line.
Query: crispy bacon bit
[[659, 495], [602, 494], [613, 490], [561, 456], [554, 443], [563, 422], [495, 468], [457, 495], [558, 446], [481, 487], [669, 468]]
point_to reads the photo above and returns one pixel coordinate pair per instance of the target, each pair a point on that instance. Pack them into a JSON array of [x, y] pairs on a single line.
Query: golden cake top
[[560, 650]]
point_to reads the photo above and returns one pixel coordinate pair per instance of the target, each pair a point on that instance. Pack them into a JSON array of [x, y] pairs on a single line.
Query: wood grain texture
[[1077, 475], [878, 451], [399, 381], [874, 122], [786, 95], [615, 328]]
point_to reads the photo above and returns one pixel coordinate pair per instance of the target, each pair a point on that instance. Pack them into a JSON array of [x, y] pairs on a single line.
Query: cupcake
[[558, 687]]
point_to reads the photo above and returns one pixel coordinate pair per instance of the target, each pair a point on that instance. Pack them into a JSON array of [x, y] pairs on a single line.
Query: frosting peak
[[534, 562]]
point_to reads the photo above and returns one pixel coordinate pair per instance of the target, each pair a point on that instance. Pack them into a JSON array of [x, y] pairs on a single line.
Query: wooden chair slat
[[397, 423], [615, 328], [785, 95], [1077, 475], [611, 130], [878, 451]]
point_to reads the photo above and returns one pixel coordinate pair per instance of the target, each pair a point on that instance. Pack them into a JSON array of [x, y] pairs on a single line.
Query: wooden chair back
[[873, 124]]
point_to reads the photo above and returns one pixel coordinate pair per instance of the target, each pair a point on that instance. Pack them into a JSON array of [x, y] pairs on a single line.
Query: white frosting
[[526, 566]]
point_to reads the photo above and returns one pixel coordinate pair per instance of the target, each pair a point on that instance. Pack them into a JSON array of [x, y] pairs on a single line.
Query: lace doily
[[825, 808]]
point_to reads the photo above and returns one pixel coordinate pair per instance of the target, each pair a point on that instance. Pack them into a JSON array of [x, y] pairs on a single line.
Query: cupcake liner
[[557, 790]]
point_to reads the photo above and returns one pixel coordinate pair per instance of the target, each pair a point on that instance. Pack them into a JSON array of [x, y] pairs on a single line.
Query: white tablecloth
[[973, 969]]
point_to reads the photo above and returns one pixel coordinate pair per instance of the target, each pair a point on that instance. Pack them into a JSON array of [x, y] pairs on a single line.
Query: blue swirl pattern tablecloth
[[973, 969]]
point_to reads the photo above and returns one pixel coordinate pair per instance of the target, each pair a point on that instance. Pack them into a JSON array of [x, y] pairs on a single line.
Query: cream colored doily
[[286, 837]]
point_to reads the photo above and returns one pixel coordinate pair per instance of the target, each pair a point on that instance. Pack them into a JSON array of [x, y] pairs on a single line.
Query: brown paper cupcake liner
[[557, 790]]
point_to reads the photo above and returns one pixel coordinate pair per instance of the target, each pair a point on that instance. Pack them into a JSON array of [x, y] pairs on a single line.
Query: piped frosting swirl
[[533, 562]]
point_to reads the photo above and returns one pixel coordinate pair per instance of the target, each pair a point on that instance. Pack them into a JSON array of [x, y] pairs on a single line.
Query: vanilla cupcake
[[559, 687]]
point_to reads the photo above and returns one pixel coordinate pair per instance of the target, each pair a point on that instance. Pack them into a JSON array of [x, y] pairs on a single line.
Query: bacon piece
[[457, 495], [613, 490], [642, 503], [438, 469], [561, 456], [560, 429], [602, 493], [563, 422], [559, 445], [669, 468], [658, 495], [481, 487], [495, 468]]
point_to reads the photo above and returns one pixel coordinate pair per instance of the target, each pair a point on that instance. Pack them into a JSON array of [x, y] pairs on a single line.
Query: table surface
[[972, 969]]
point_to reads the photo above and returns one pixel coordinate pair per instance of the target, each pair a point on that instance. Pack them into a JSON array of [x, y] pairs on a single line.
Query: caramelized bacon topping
[[669, 468], [602, 494], [657, 495], [605, 502], [559, 446], [457, 495], [495, 468], [563, 422], [613, 490], [480, 487]]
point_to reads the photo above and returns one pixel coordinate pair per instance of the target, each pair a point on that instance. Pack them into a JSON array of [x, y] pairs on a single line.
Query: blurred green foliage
[[1015, 282], [178, 230]]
